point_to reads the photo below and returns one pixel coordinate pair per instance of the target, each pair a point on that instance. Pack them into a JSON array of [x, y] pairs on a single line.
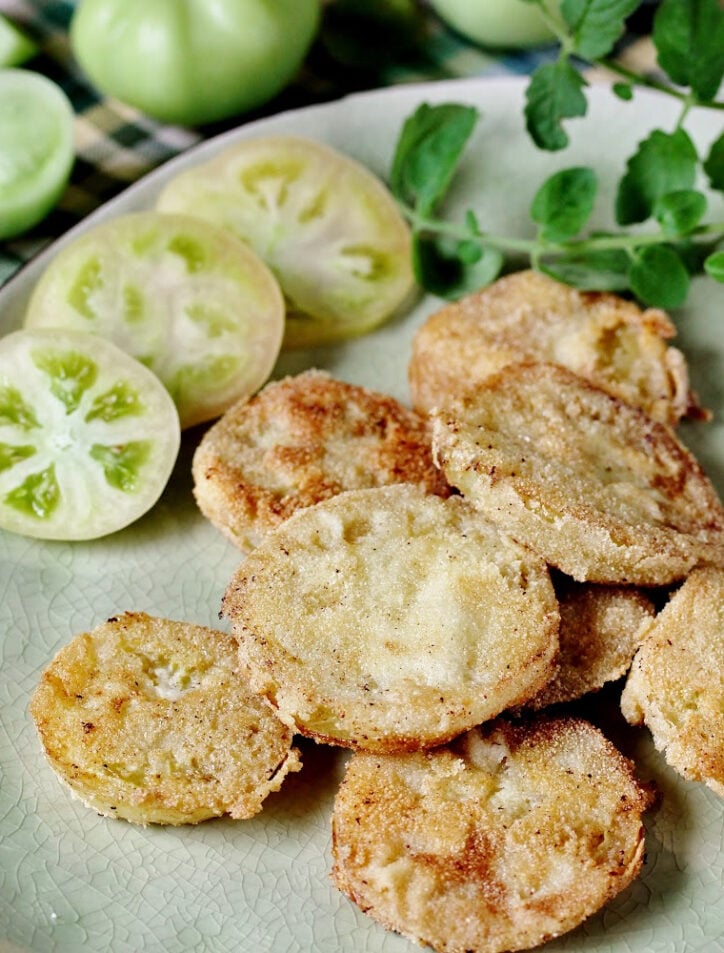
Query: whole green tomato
[[498, 23], [193, 61]]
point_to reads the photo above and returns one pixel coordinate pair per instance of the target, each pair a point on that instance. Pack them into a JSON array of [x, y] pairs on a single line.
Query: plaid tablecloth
[[116, 145]]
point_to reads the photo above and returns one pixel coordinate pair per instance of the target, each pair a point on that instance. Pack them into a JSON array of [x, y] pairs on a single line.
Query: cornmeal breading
[[601, 629], [390, 619], [148, 720], [528, 316], [302, 440], [507, 838], [676, 683], [592, 484]]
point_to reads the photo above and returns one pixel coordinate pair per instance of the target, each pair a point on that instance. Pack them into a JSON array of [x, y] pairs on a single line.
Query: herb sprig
[[658, 186]]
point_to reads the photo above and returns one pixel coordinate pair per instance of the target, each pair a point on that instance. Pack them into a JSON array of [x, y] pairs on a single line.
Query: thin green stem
[[535, 247], [639, 79]]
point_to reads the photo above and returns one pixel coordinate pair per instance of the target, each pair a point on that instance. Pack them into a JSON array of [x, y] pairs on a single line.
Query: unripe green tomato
[[36, 148], [497, 23], [193, 61]]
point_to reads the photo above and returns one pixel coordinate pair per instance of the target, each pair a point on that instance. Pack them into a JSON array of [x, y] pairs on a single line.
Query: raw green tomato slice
[[15, 45], [186, 298], [88, 436], [328, 228], [36, 148]]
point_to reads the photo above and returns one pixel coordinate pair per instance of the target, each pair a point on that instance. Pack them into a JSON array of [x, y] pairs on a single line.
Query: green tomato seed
[[70, 373], [37, 496], [14, 410], [10, 454], [122, 464]]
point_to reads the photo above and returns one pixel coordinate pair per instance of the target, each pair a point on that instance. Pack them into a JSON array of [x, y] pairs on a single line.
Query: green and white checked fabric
[[116, 145]]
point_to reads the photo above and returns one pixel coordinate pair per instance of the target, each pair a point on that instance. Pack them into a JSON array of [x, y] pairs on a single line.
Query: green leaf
[[664, 162], [659, 277], [428, 151], [563, 204], [623, 91], [680, 212], [447, 268], [714, 266], [689, 39], [595, 25], [16, 47], [592, 271], [714, 164], [554, 93]]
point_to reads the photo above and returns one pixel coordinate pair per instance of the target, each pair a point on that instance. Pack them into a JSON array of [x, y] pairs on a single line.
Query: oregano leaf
[[659, 277], [428, 151], [591, 271], [664, 162], [595, 25], [554, 93], [624, 91], [680, 212], [714, 266], [714, 164], [449, 268], [689, 39], [563, 204]]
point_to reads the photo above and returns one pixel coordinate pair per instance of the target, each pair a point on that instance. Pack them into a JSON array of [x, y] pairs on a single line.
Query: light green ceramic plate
[[71, 880]]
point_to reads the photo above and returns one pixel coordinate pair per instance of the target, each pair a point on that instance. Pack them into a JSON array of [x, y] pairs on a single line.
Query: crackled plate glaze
[[71, 880]]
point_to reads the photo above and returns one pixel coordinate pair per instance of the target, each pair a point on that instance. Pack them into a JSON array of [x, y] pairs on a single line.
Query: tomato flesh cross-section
[[36, 148], [327, 227], [88, 436], [188, 300]]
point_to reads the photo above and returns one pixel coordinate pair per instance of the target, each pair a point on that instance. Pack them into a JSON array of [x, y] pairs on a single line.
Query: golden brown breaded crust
[[529, 316], [676, 682], [148, 719], [301, 440], [601, 629], [595, 486], [507, 838], [389, 619]]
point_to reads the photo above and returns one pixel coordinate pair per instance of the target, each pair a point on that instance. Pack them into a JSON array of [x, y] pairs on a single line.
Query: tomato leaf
[[563, 204], [659, 277], [596, 24], [450, 268], [664, 162], [680, 212], [554, 93], [714, 164], [428, 152], [689, 39], [714, 266]]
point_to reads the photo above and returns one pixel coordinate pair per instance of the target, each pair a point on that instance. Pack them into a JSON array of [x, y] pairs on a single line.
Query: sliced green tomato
[[15, 46], [36, 148], [88, 436], [186, 298], [327, 227]]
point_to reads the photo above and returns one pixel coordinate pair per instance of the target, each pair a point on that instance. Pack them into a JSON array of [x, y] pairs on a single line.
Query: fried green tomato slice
[[390, 619], [146, 719], [508, 837]]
